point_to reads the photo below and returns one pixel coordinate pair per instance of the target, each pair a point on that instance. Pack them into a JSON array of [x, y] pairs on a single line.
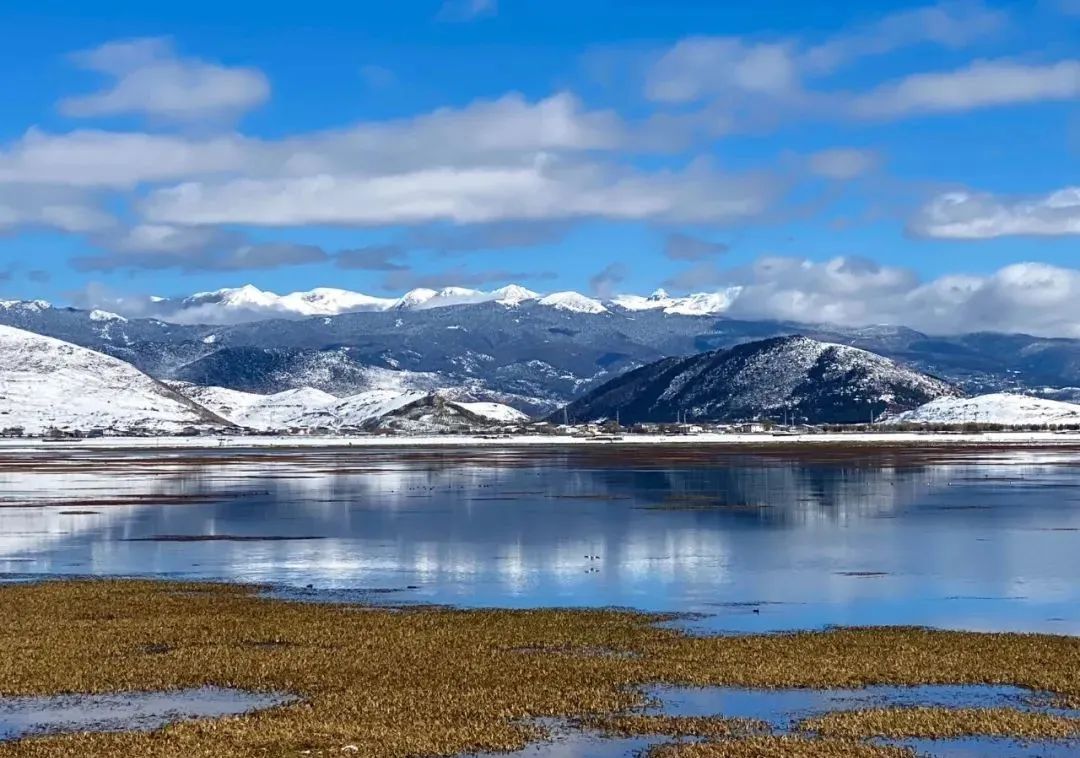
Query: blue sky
[[889, 162]]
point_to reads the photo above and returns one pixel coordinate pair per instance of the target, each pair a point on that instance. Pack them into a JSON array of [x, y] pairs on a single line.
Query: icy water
[[755, 540], [137, 711]]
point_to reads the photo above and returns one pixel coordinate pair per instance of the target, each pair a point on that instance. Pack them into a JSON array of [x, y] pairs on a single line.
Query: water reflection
[[758, 542], [127, 712]]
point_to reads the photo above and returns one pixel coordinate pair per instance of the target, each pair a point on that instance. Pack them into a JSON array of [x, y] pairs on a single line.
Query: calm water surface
[[753, 540]]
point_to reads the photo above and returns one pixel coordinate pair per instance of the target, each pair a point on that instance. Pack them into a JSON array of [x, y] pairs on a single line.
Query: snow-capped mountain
[[244, 304], [46, 383], [797, 377], [1000, 408], [573, 302], [702, 304], [248, 303], [532, 356]]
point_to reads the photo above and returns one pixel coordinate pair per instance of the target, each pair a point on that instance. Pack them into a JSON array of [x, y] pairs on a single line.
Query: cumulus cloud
[[120, 160], [151, 79], [1035, 298], [508, 131], [981, 84], [684, 247], [541, 191], [981, 215]]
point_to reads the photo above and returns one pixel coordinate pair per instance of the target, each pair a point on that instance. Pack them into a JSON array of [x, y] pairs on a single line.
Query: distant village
[[609, 431]]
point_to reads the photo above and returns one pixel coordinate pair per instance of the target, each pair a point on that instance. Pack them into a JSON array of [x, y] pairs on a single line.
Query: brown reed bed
[[779, 747], [439, 682], [944, 723]]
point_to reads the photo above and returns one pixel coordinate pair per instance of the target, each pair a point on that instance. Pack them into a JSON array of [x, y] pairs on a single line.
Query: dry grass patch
[[944, 723], [438, 681], [779, 747], [631, 725]]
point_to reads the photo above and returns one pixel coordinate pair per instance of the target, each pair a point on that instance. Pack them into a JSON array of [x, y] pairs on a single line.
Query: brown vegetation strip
[[437, 681], [779, 747], [944, 723], [630, 725]]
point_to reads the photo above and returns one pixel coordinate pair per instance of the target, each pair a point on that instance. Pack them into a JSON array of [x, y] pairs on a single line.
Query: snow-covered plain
[[998, 408]]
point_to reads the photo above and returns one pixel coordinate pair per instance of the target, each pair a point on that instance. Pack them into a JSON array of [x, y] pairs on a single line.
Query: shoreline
[[855, 439]]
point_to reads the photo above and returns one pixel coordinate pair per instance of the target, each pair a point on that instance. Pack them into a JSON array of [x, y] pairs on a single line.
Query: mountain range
[[49, 385], [243, 304], [513, 347]]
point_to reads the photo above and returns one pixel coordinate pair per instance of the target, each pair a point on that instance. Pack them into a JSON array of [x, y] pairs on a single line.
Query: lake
[[750, 539]]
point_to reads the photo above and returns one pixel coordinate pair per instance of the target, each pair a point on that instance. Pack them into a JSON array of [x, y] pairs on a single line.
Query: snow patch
[[999, 408]]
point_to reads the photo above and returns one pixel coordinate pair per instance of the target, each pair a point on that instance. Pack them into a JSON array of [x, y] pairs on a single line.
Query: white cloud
[[1035, 298], [150, 79], [51, 208], [544, 190], [842, 163], [119, 160], [947, 24], [699, 67], [980, 215], [506, 131], [982, 84]]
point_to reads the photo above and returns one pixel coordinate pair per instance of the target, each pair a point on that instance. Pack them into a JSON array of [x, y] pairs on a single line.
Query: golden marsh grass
[[944, 723], [437, 681]]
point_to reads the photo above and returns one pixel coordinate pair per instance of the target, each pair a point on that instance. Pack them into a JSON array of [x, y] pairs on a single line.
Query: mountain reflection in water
[[756, 540]]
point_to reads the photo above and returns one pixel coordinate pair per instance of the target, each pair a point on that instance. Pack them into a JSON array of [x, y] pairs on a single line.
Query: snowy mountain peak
[[513, 294], [236, 297], [416, 297], [574, 302], [97, 315], [700, 304], [27, 305]]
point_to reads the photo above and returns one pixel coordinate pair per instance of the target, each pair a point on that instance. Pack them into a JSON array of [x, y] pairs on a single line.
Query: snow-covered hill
[[46, 383], [279, 411], [998, 408], [796, 377], [307, 409]]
